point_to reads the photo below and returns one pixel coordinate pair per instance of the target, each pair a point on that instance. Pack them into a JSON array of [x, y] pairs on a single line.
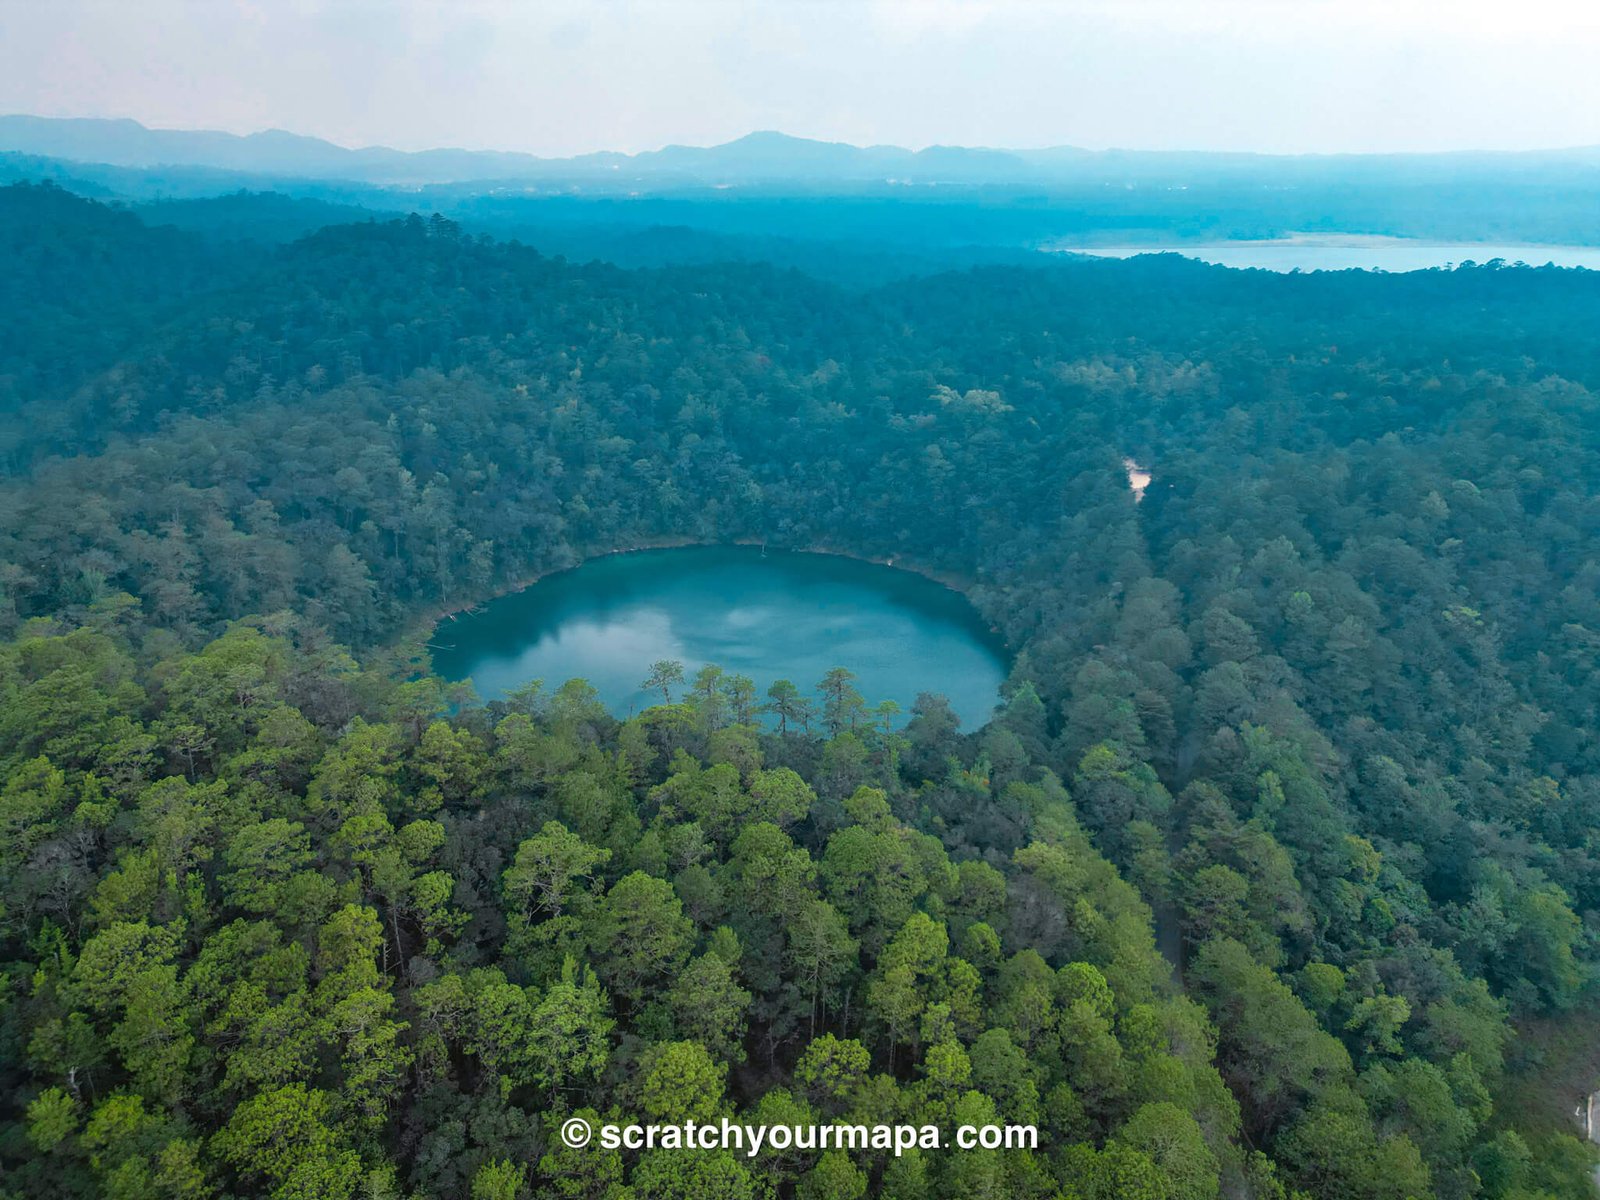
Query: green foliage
[[52, 1118], [680, 1081], [498, 1181], [639, 934], [285, 1137], [1303, 734]]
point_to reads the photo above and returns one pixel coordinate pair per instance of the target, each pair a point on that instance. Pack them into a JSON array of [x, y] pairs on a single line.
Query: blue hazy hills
[[864, 213]]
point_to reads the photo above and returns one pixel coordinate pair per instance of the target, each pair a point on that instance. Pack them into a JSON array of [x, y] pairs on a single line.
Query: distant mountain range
[[758, 159]]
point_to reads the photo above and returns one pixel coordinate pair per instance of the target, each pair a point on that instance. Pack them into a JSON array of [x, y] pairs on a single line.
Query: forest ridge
[[1280, 853], [978, 202]]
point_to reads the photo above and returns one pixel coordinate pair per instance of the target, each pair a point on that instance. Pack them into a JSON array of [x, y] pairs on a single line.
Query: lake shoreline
[[1309, 253], [426, 627], [744, 605]]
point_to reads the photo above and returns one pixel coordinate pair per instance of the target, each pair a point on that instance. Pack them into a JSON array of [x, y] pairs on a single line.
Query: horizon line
[[804, 138]]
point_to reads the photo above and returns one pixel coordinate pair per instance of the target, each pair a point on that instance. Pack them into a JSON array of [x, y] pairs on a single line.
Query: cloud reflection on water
[[782, 616]]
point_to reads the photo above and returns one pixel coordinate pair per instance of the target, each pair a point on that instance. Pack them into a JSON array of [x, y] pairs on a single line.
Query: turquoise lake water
[[777, 615]]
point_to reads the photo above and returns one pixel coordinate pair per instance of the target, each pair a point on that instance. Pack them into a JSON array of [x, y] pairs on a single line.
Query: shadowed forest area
[[1276, 876]]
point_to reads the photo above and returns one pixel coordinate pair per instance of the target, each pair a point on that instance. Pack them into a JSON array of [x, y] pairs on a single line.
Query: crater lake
[[767, 615]]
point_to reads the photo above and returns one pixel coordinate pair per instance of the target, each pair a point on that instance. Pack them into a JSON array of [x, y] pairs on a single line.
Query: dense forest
[[1282, 848]]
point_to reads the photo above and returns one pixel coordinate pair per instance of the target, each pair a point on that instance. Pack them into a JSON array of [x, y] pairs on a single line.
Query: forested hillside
[[284, 914]]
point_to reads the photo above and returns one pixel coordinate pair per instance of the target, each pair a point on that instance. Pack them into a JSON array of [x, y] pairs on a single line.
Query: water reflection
[[777, 616]]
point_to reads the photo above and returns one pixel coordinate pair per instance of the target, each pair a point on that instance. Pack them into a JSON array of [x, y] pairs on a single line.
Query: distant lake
[[770, 616], [1367, 254]]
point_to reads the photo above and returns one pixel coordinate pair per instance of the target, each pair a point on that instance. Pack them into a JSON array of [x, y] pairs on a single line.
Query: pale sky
[[560, 77]]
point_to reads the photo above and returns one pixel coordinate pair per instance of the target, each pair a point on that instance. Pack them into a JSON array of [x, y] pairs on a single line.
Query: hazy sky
[[566, 76]]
